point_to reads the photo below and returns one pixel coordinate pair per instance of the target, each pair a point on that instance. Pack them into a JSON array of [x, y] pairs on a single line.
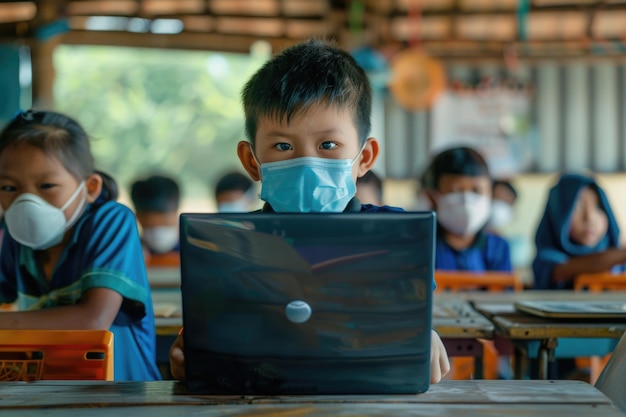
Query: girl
[[577, 234], [71, 257]]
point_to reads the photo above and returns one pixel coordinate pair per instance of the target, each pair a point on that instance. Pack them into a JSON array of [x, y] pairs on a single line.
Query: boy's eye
[[328, 145], [283, 146], [9, 188], [46, 186]]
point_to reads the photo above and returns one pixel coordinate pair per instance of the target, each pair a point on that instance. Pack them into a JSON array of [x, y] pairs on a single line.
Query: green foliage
[[173, 112]]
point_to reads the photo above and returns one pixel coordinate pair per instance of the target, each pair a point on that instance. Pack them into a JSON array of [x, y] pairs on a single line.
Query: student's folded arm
[[588, 264], [96, 311]]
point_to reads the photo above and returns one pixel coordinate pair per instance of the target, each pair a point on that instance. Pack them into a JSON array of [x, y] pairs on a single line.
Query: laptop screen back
[[307, 303]]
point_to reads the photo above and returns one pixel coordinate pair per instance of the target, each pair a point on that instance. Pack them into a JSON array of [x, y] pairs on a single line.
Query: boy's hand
[[177, 359], [439, 363]]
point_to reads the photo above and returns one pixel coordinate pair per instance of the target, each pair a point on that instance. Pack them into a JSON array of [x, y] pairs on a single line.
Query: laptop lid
[[308, 303]]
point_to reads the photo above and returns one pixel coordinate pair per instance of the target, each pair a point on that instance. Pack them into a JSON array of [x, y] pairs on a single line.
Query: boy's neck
[[458, 242]]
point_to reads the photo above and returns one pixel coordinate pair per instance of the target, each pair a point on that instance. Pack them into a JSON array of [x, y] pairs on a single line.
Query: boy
[[459, 187], [156, 200], [234, 192], [307, 122]]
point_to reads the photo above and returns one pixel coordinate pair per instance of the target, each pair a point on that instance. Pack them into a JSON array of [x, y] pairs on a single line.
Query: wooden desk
[[529, 333], [168, 398]]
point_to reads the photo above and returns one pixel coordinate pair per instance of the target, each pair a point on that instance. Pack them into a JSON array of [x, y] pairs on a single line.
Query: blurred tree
[[148, 110]]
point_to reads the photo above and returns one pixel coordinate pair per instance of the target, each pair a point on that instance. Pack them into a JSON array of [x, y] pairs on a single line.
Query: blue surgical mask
[[308, 184]]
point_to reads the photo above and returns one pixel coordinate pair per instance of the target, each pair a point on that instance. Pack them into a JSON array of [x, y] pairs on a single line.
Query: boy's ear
[[244, 152], [93, 184], [368, 156]]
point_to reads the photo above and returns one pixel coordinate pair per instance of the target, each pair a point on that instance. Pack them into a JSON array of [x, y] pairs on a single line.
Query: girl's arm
[[588, 264], [96, 311]]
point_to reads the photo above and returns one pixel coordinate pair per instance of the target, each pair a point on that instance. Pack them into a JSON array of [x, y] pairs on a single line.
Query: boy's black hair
[[313, 72], [507, 185], [371, 178], [455, 161], [233, 181], [156, 193]]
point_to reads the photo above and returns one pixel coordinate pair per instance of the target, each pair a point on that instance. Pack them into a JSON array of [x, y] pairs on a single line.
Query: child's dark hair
[[374, 180], [156, 193], [233, 181], [60, 136], [455, 161], [313, 72], [505, 184]]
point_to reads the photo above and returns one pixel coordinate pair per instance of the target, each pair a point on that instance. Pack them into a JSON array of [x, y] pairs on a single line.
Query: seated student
[[577, 234], [503, 200], [71, 257], [307, 123], [156, 200], [234, 192], [459, 187], [369, 189]]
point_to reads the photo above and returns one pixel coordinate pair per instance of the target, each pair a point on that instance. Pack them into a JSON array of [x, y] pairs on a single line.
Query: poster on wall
[[495, 120]]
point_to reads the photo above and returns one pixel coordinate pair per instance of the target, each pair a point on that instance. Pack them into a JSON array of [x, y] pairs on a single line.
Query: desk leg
[[478, 367], [520, 363], [545, 355]]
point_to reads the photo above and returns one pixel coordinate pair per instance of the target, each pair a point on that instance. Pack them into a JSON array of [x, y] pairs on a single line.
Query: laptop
[[307, 303], [574, 309]]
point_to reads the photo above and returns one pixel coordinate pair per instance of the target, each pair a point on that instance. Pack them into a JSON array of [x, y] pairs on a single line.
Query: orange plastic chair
[[166, 260], [493, 281], [30, 355], [453, 281], [603, 281], [598, 282]]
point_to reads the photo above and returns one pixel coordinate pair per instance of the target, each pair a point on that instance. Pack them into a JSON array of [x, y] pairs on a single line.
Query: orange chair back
[[598, 282], [170, 259], [466, 281]]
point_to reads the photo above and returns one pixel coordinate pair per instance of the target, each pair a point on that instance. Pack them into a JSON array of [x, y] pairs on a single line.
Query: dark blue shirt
[[104, 252], [488, 252]]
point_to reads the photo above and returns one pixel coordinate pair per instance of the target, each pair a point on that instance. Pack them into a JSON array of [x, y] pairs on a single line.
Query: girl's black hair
[[61, 136]]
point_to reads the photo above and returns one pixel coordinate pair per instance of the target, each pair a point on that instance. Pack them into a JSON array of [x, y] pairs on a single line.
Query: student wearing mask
[[308, 115], [235, 192], [459, 188], [503, 200], [156, 200]]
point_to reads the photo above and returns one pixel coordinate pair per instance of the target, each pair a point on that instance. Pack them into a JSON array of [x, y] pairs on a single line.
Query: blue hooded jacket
[[553, 242]]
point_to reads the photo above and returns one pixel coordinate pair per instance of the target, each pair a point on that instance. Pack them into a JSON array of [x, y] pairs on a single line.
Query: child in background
[[156, 200], [234, 192], [71, 256], [369, 189], [307, 123], [459, 187], [577, 234], [503, 199]]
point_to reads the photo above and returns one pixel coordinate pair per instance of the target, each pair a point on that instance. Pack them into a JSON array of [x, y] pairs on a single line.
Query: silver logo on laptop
[[298, 311]]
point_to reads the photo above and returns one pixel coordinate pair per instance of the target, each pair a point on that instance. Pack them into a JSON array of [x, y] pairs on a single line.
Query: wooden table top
[[516, 325], [168, 398]]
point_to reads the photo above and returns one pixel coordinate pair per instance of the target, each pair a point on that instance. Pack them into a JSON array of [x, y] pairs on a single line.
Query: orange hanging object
[[416, 79]]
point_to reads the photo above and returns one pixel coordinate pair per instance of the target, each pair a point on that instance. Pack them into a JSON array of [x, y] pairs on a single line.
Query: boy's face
[[502, 193], [589, 221], [320, 131]]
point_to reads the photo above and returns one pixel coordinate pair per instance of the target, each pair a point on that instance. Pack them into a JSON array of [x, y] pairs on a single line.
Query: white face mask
[[501, 214], [463, 214], [161, 239], [35, 223]]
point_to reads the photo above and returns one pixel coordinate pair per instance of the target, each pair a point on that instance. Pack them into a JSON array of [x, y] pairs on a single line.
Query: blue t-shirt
[[104, 252], [488, 252]]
